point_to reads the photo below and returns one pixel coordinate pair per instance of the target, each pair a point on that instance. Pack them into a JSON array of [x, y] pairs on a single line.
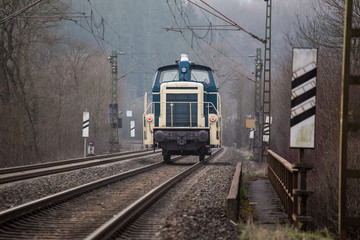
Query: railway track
[[37, 170], [119, 223], [89, 210]]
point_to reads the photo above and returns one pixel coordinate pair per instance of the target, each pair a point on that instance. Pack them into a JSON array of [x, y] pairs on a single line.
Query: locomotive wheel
[[166, 157]]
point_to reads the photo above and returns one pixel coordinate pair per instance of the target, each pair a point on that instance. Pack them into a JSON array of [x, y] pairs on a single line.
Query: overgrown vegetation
[[46, 82], [322, 29], [249, 173], [248, 218], [250, 231]]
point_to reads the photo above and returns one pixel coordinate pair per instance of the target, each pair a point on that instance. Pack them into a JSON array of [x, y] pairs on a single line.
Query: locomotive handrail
[[208, 103], [148, 106]]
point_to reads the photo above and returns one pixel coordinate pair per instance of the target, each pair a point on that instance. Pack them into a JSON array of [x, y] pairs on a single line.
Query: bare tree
[[324, 31], [21, 39]]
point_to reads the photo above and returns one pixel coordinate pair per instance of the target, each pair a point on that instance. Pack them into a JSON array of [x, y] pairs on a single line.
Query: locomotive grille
[[181, 110]]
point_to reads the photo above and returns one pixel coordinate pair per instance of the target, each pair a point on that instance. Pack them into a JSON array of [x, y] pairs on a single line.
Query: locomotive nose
[[202, 136], [160, 136]]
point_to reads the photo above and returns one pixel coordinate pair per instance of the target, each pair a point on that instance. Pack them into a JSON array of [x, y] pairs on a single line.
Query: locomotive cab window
[[200, 76], [154, 78], [169, 75]]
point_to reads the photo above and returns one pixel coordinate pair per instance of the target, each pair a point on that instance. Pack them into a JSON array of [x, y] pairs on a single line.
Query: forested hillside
[[54, 62]]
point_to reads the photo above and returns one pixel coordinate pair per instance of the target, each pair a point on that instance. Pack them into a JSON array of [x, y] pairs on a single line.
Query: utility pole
[[257, 146], [349, 174], [113, 106], [266, 108]]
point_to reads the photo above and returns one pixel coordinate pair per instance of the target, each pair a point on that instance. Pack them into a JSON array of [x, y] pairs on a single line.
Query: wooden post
[[301, 193]]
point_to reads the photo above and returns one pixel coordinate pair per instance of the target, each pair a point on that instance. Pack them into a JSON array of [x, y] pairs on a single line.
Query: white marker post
[[132, 129], [85, 129]]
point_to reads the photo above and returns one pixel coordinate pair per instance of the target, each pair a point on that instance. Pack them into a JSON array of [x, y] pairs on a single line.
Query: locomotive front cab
[[183, 117]]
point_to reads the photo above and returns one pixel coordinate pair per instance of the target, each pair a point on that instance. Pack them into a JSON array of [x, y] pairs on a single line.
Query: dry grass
[[251, 231]]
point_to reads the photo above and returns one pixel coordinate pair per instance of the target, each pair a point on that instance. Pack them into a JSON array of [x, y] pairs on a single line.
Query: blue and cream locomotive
[[184, 116]]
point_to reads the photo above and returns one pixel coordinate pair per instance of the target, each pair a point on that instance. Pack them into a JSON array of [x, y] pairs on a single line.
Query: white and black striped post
[[85, 129]]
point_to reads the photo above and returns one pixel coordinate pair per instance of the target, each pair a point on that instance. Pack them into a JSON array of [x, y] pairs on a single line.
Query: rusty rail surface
[[289, 183]]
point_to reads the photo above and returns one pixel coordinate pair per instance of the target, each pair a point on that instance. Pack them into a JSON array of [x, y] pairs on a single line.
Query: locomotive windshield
[[196, 75], [200, 76], [169, 75]]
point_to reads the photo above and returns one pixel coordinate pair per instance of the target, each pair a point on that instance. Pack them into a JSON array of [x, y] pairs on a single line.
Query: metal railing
[[149, 109], [289, 183]]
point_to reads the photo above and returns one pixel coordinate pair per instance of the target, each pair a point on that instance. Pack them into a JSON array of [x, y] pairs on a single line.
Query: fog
[[67, 71], [54, 66], [137, 28]]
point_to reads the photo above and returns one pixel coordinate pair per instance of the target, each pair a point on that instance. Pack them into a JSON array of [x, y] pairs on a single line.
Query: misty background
[[54, 65], [137, 29]]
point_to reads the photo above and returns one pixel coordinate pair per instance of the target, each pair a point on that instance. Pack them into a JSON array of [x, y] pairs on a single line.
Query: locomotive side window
[[200, 76], [154, 78], [169, 75]]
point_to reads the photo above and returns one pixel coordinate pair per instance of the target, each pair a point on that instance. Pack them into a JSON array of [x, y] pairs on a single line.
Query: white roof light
[[184, 57]]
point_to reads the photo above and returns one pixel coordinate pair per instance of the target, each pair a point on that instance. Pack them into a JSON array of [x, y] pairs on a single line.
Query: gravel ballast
[[16, 193], [196, 206], [200, 211]]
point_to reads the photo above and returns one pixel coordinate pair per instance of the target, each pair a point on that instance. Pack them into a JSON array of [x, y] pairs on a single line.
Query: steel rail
[[123, 218], [62, 162], [43, 171], [39, 204]]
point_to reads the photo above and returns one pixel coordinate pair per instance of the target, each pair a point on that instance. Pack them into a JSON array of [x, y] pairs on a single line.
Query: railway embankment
[[194, 209]]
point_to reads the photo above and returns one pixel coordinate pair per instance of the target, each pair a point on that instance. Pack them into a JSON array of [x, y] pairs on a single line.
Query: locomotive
[[183, 116]]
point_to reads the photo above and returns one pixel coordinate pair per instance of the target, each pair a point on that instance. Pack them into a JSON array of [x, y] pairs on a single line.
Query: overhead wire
[[83, 13], [7, 18], [228, 43], [142, 64], [209, 30], [226, 19], [183, 15], [202, 39], [96, 37], [119, 36], [177, 24], [99, 32], [91, 24]]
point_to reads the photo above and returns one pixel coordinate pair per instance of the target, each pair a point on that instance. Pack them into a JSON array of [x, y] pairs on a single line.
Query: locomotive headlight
[[183, 70], [149, 118]]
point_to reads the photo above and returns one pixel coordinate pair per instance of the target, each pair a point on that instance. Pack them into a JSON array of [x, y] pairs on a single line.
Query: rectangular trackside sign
[[303, 98]]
